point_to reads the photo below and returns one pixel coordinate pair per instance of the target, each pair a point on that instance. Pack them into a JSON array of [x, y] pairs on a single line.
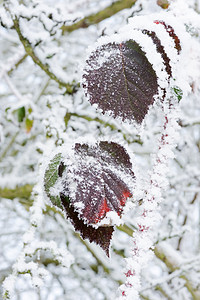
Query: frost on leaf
[[101, 176], [120, 79]]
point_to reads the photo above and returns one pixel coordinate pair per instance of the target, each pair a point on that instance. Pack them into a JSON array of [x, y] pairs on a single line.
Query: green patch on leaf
[[50, 177]]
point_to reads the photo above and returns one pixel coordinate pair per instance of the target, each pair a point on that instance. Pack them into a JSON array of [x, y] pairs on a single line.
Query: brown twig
[[100, 16]]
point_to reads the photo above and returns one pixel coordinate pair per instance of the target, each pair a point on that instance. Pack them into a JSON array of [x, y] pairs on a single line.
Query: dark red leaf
[[93, 180], [120, 79], [103, 176], [101, 236]]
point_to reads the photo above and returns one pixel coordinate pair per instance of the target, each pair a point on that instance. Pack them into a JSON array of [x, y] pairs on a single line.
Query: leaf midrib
[[125, 79]]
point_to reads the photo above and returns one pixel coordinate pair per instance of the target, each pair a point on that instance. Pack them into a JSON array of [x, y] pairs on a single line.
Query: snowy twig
[[100, 16], [22, 192], [14, 90], [18, 63], [142, 238]]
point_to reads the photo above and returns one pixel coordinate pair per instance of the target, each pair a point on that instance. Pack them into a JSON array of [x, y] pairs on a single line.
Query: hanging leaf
[[94, 180], [50, 177], [101, 179], [120, 79]]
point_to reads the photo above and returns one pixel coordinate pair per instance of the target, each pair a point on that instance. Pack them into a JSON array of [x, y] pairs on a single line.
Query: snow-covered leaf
[[95, 182], [120, 79], [100, 178]]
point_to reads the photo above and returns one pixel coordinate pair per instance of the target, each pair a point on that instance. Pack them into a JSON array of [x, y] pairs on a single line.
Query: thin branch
[[162, 291], [99, 261], [189, 124], [100, 16], [186, 218], [44, 87], [70, 87], [13, 88], [18, 63]]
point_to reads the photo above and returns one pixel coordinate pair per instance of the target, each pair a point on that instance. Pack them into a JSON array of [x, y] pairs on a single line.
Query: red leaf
[[102, 175], [120, 79], [102, 180]]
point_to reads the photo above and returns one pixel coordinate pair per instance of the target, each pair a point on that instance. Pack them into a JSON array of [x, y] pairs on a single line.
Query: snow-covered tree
[[100, 149]]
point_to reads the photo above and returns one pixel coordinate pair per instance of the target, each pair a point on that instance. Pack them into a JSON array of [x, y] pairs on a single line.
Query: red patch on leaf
[[125, 195], [103, 209]]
